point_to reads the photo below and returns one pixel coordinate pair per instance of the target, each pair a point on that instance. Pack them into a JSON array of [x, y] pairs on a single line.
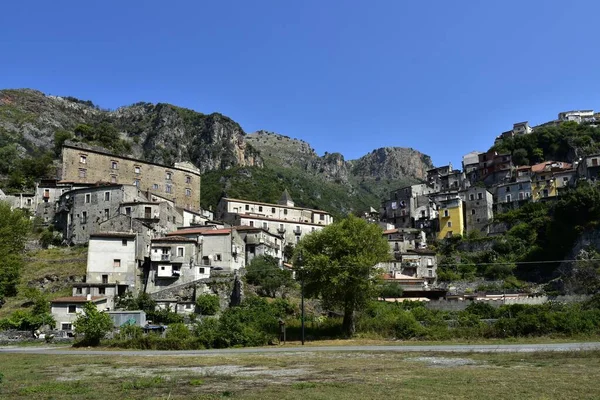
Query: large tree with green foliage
[[93, 323], [265, 273], [14, 228], [339, 265]]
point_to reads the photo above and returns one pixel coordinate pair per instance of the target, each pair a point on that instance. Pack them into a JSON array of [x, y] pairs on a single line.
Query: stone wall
[[460, 305]]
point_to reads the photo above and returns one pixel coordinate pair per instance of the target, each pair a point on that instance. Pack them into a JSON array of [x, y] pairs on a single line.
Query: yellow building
[[543, 179], [451, 218]]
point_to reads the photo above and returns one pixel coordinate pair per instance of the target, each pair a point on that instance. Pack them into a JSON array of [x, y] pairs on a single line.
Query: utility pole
[[301, 292]]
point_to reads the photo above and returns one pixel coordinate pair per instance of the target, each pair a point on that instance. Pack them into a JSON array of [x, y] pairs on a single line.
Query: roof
[[173, 239], [273, 205], [542, 166], [113, 234], [78, 299], [200, 231], [421, 251], [246, 228], [285, 197], [401, 277], [390, 231]]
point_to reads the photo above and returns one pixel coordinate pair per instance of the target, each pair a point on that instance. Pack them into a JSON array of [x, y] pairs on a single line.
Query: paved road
[[485, 348]]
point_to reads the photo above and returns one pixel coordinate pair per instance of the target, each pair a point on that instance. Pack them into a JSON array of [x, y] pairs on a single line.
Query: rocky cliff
[[161, 133]]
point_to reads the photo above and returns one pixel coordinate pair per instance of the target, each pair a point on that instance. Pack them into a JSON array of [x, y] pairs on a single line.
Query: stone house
[[589, 167], [88, 164], [410, 207], [494, 168], [478, 205], [66, 309]]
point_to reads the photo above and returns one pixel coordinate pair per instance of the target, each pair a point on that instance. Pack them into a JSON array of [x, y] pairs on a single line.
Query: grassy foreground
[[346, 375]]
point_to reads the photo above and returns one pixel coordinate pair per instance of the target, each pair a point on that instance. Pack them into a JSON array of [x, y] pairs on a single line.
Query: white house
[[66, 309]]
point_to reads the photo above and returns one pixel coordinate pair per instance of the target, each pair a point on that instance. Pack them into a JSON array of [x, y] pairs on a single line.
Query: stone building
[[86, 164], [283, 218], [410, 207], [479, 204], [65, 310], [261, 242]]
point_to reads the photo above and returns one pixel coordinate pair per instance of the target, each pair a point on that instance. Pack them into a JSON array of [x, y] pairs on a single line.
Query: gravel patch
[[444, 361]]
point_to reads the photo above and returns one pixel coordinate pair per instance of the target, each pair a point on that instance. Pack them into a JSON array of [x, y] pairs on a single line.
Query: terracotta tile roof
[[78, 299], [542, 166], [390, 231]]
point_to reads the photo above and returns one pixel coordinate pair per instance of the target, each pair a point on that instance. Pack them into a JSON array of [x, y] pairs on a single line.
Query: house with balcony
[[589, 167], [415, 270], [494, 168], [219, 249], [174, 261], [283, 218], [410, 207], [261, 242], [543, 183]]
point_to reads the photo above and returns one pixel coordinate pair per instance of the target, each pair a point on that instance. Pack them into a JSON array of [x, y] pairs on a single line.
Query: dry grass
[[346, 375]]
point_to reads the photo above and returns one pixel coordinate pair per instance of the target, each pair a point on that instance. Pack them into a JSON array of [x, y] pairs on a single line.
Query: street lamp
[[301, 267]]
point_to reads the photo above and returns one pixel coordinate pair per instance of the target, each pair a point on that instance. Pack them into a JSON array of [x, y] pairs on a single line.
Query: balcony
[[297, 232], [160, 257], [281, 230]]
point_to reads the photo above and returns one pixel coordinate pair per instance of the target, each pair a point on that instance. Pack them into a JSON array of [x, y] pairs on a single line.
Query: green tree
[[14, 228], [265, 273], [207, 304], [60, 137], [339, 265], [93, 324]]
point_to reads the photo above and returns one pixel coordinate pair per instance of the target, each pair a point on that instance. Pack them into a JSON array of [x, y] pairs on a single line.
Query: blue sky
[[442, 77]]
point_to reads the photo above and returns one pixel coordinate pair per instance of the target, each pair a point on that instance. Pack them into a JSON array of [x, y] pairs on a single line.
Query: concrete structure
[[66, 309], [578, 116], [513, 192], [470, 162], [478, 203], [589, 167], [86, 164], [175, 260], [451, 218], [521, 128], [283, 218], [112, 267], [493, 168], [222, 249], [414, 270], [544, 184]]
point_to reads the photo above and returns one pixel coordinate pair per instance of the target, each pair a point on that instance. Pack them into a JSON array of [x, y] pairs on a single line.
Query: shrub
[[93, 324], [178, 331], [207, 304]]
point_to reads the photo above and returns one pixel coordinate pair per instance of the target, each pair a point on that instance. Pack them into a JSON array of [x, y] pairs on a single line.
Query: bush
[[207, 304], [178, 332], [93, 324]]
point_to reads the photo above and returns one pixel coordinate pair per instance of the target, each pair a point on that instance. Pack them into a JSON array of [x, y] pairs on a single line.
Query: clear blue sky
[[443, 77]]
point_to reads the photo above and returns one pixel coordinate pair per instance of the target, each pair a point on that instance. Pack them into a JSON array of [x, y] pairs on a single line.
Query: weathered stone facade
[[85, 164]]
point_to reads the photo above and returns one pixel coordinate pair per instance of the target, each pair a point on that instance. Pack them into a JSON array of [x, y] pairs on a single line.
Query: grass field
[[338, 375]]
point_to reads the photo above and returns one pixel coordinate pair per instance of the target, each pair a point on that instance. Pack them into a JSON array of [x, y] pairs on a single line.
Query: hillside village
[[146, 232]]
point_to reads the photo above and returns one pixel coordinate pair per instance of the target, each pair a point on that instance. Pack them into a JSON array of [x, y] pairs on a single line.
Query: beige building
[[283, 218], [86, 164]]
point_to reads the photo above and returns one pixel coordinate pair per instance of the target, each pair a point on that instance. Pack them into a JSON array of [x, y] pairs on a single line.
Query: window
[[217, 257], [137, 169], [188, 306], [113, 179], [446, 213], [136, 182], [430, 273], [169, 175], [471, 197], [101, 290], [508, 189], [83, 159], [285, 211], [114, 165], [84, 217], [322, 217], [168, 188], [251, 223], [104, 278], [106, 213], [449, 224], [82, 173], [479, 196], [201, 270], [205, 260], [106, 196], [88, 198], [247, 207], [508, 198], [265, 225], [594, 162], [124, 242], [128, 211], [565, 179], [260, 208], [180, 252], [155, 186], [188, 179], [273, 210], [473, 212], [188, 192], [78, 291], [72, 308], [116, 263], [66, 327]]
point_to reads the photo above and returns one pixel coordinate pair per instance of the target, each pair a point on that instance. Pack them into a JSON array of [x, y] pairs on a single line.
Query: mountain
[[256, 166]]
